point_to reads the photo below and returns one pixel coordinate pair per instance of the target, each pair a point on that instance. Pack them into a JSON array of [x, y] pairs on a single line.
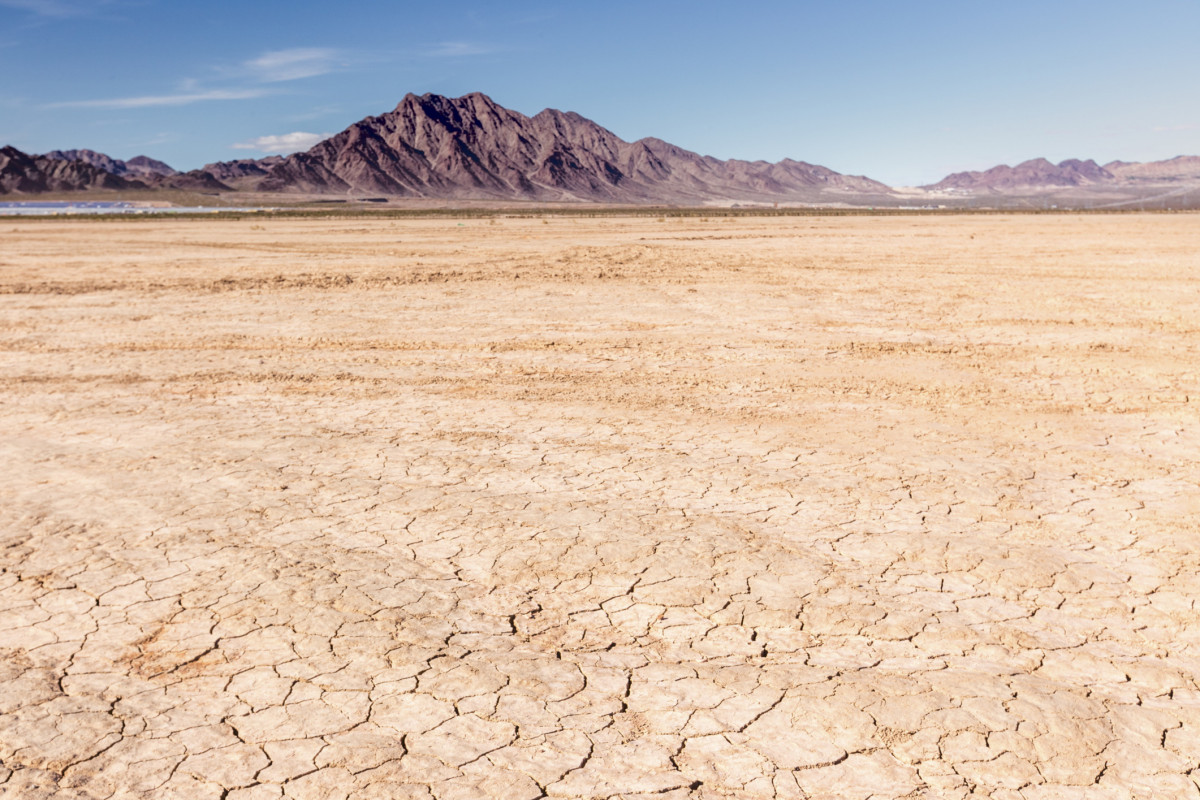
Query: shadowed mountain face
[[87, 170], [21, 173], [470, 147], [243, 172], [136, 167]]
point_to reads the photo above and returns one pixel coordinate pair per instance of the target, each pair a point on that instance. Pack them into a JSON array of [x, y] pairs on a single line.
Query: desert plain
[[613, 507]]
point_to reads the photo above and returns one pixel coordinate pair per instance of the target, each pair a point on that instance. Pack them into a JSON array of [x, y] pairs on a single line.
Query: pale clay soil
[[782, 507]]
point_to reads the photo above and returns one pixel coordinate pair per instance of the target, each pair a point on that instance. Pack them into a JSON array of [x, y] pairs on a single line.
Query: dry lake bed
[[775, 507]]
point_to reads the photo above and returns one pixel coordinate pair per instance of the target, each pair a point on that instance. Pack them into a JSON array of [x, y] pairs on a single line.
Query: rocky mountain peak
[[136, 167], [472, 147]]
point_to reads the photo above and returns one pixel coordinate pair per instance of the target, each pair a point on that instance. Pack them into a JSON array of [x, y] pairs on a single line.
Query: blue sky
[[904, 92]]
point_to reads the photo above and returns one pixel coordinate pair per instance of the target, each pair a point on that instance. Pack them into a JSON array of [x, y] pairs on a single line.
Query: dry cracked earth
[[868, 507]]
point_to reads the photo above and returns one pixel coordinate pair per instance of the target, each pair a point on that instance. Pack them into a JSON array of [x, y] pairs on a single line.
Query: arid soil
[[868, 507]]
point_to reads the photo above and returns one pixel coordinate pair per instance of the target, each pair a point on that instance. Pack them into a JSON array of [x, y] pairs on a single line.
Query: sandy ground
[[804, 507]]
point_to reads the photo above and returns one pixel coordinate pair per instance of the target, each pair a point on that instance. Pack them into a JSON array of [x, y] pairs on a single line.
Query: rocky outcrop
[[136, 167], [471, 147], [243, 172], [21, 173]]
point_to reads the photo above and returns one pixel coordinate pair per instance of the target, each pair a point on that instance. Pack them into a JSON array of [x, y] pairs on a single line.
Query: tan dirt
[[867, 507]]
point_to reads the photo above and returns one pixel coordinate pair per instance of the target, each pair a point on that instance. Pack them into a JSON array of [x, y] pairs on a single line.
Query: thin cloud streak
[[154, 101], [55, 9], [293, 64], [43, 8], [283, 143], [315, 113], [1174, 128], [459, 49], [275, 66]]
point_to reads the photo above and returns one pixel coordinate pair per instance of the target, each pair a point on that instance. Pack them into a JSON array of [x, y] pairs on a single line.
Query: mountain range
[[136, 167], [471, 148], [21, 173], [1040, 173]]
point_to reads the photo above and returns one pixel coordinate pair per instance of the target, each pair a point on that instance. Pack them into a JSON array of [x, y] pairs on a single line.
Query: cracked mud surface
[[805, 507]]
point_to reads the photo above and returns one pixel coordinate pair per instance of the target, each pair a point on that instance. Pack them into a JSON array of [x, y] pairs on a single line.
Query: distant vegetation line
[[583, 213]]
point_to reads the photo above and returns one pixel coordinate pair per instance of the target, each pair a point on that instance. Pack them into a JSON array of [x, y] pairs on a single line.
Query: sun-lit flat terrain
[[765, 507]]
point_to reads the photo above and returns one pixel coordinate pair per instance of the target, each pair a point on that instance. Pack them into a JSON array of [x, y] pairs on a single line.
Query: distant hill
[[1180, 168], [140, 172], [472, 148], [1035, 173], [1040, 174], [243, 172], [136, 167], [21, 173]]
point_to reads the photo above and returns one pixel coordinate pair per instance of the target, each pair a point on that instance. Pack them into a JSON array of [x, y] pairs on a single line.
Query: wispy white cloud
[[248, 78], [158, 138], [151, 101], [283, 143], [43, 8], [57, 9], [293, 64], [1174, 128], [315, 113], [458, 49]]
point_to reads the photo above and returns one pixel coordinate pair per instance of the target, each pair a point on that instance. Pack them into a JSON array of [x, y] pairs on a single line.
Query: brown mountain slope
[[1035, 173], [1038, 174], [136, 167], [1180, 168], [82, 170], [471, 147], [196, 180], [21, 173], [244, 171]]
